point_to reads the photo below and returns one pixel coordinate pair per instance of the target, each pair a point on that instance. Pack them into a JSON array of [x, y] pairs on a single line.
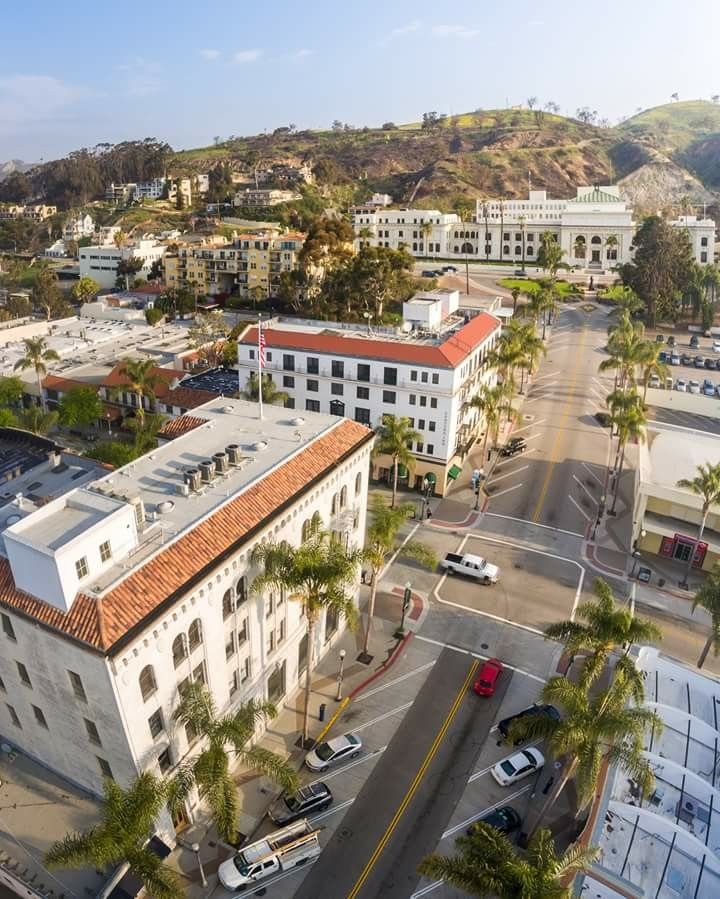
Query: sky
[[77, 74]]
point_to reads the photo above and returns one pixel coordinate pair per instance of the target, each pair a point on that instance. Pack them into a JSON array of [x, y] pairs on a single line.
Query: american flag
[[261, 346]]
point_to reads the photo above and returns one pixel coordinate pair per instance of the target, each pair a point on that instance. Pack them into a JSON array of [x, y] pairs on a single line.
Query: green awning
[[430, 476], [402, 471], [454, 472]]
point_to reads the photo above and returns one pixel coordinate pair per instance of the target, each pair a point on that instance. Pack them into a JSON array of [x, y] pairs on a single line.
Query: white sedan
[[681, 385], [339, 749], [693, 387], [515, 767]]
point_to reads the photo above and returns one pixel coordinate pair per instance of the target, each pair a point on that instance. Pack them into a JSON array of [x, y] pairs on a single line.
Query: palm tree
[[625, 349], [490, 403], [380, 542], [624, 298], [531, 348], [487, 864], [394, 439], [611, 243], [630, 425], [609, 626], [209, 771], [365, 234], [319, 574], [486, 214], [37, 354], [708, 596], [140, 379], [426, 231], [464, 212], [550, 255], [270, 394], [39, 422], [651, 365], [128, 821], [705, 484], [522, 222], [501, 204]]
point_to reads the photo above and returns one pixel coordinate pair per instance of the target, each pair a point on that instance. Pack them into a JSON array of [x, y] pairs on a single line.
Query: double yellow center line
[[414, 785]]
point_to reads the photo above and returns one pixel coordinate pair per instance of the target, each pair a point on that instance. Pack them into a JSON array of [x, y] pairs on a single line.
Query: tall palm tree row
[[650, 364], [209, 771], [708, 598], [37, 355], [490, 402], [487, 864], [140, 380], [381, 540], [321, 574], [630, 422], [706, 485], [395, 439]]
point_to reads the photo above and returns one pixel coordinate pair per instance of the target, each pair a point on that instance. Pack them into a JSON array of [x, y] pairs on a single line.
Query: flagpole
[[261, 354]]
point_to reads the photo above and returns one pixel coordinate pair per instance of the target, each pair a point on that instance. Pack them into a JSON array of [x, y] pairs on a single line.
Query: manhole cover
[[528, 418], [484, 646]]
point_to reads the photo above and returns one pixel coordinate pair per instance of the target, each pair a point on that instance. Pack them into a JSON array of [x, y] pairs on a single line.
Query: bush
[[153, 316]]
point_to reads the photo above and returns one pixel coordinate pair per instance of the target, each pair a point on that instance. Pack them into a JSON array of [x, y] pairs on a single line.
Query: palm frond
[[196, 707], [179, 788], [461, 874], [222, 799], [420, 553], [576, 858], [78, 850], [160, 881], [272, 766]]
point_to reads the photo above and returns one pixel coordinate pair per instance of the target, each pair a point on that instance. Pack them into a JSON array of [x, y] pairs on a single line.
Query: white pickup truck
[[286, 848], [472, 566]]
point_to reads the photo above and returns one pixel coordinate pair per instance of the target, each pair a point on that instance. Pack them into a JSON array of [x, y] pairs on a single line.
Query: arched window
[[358, 483], [147, 682], [195, 634], [317, 523], [334, 504], [241, 590], [467, 248], [305, 531], [595, 239], [179, 649], [228, 604], [456, 249], [343, 498]]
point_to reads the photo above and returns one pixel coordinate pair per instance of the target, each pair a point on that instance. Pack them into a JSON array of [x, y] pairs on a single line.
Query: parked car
[[699, 362], [681, 385], [708, 387], [694, 342], [520, 273], [449, 269], [549, 711], [427, 273], [716, 345], [686, 359], [348, 746], [505, 819], [671, 341], [659, 338], [674, 359], [517, 766], [717, 363], [438, 273], [717, 390], [710, 362], [488, 676], [663, 356], [291, 806], [513, 446], [654, 381], [603, 419], [693, 386]]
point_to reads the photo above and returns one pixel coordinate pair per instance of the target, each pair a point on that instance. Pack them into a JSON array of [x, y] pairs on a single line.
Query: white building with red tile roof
[[115, 594], [427, 374]]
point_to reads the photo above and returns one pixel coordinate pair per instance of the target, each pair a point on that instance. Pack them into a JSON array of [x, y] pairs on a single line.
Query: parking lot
[[692, 365]]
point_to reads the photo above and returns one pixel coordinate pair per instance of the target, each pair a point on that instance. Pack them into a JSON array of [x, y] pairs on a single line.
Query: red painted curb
[[395, 653]]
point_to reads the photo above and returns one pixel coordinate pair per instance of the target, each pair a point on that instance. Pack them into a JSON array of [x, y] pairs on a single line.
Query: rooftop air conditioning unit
[[207, 471], [233, 453], [182, 489], [193, 479], [221, 462]]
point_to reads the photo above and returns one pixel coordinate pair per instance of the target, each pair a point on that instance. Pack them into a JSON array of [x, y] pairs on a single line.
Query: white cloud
[[27, 99], [210, 55], [301, 54], [142, 77], [454, 31], [247, 56], [406, 29]]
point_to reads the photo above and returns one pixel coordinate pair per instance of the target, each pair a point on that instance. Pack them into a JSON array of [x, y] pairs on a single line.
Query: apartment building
[[264, 197], [701, 234], [251, 263], [34, 213], [101, 262], [426, 371], [422, 232], [78, 226], [115, 595]]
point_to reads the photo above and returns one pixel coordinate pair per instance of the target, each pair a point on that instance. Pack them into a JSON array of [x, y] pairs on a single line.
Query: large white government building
[[595, 229], [115, 594], [427, 371]]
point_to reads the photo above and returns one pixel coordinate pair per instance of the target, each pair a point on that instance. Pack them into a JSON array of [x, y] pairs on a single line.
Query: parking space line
[[534, 436], [579, 508], [550, 374], [503, 492], [592, 473], [491, 808], [360, 761], [534, 424], [373, 721], [479, 655], [397, 680], [335, 808], [509, 474], [583, 487]]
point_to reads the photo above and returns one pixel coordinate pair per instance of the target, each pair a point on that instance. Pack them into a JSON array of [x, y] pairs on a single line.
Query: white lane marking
[[509, 474], [333, 810], [592, 473], [503, 492], [550, 374], [533, 424], [534, 436], [583, 487], [373, 721], [547, 527], [363, 758], [580, 510], [397, 680], [526, 453], [478, 815], [478, 655]]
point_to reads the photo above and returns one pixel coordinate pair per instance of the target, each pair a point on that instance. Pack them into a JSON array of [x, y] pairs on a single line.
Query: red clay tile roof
[[165, 377], [57, 382], [445, 355], [181, 425], [188, 397], [111, 621]]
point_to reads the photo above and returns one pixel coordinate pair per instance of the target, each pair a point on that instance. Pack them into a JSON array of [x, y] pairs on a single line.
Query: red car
[[487, 678]]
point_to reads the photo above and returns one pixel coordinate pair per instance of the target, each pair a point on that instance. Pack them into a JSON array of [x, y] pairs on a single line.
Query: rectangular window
[[269, 605], [288, 362], [363, 393], [420, 447], [436, 378], [289, 403], [423, 401], [424, 377], [413, 399], [81, 568], [363, 372], [230, 646], [430, 449], [190, 733], [155, 723], [389, 396], [433, 402], [77, 685], [234, 683], [431, 426], [271, 641], [312, 405], [92, 732], [313, 365], [269, 356], [313, 386], [105, 552], [421, 424], [245, 670], [105, 768], [336, 389], [13, 716], [413, 375], [390, 376], [281, 633], [165, 761], [40, 717], [8, 627], [23, 672], [506, 235], [362, 416], [288, 381], [199, 673], [243, 632], [337, 369]]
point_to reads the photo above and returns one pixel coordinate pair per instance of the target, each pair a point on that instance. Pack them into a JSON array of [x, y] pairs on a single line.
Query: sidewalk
[[256, 792]]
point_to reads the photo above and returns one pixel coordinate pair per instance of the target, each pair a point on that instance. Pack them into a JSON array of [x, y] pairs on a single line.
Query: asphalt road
[[400, 813]]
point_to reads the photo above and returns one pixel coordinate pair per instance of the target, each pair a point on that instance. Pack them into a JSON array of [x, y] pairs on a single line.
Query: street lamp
[[407, 597], [196, 849], [426, 487], [636, 559], [338, 695], [601, 509], [107, 416]]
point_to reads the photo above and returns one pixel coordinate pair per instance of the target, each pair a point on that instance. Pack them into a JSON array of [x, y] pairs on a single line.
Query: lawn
[[530, 286]]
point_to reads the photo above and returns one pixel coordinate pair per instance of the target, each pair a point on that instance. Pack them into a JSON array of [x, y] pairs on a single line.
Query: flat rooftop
[[82, 510], [673, 455], [223, 381]]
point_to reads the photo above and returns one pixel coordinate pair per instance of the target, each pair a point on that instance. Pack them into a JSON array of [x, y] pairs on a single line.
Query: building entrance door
[[596, 256], [682, 550]]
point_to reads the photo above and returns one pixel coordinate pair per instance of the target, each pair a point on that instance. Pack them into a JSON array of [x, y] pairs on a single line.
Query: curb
[[390, 662]]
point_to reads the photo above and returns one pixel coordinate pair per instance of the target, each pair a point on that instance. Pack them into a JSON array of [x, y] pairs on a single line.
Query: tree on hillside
[[80, 407], [84, 289], [47, 295], [661, 267]]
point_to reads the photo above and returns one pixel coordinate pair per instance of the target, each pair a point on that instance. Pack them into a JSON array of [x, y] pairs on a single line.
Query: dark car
[[505, 819], [694, 342], [520, 273], [603, 419], [699, 362], [549, 711], [449, 269], [659, 338], [291, 806], [513, 446], [686, 359], [427, 273], [438, 273], [671, 341], [664, 357], [710, 363]]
